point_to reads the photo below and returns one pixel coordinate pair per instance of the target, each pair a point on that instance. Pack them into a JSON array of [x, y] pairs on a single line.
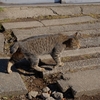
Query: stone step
[[75, 53], [26, 24], [10, 84], [37, 11], [85, 28], [29, 24], [73, 66], [82, 82], [68, 20], [90, 42], [32, 11]]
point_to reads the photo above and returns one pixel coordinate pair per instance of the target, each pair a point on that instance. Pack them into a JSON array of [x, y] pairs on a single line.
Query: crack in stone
[[81, 10], [42, 23], [54, 11]]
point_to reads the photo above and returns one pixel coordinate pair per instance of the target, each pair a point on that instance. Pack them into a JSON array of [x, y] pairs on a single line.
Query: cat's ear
[[77, 35]]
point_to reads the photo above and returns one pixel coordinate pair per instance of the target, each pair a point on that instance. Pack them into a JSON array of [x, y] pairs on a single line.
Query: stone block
[[67, 20], [86, 28], [10, 84], [91, 9], [73, 66], [82, 82], [66, 10], [27, 24], [25, 12]]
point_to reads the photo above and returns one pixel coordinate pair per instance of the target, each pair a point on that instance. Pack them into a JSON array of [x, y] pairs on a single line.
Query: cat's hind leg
[[10, 64], [17, 56], [56, 56], [34, 60]]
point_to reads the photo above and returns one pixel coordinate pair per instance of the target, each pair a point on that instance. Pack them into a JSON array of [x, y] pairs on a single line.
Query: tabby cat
[[31, 48]]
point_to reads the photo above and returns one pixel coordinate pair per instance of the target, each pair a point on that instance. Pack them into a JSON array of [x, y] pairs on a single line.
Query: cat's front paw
[[9, 71], [43, 70], [59, 65], [37, 68]]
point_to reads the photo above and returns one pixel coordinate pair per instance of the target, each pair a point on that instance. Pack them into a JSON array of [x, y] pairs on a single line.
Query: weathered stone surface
[[87, 29], [3, 16], [66, 10], [74, 66], [27, 24], [1, 42], [10, 84], [25, 33], [82, 82], [25, 12], [90, 42], [67, 20], [31, 24], [91, 9], [84, 26], [73, 53], [63, 85]]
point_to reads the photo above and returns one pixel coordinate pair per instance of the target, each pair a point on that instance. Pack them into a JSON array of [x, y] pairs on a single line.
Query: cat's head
[[73, 42], [14, 48]]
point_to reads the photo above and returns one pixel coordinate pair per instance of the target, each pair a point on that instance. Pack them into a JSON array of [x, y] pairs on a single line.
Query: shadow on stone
[[3, 66], [2, 28], [23, 67], [69, 93], [46, 65]]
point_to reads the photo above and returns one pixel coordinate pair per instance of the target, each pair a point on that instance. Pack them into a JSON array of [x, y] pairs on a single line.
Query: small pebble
[[45, 95], [50, 98], [57, 95], [32, 94], [46, 90]]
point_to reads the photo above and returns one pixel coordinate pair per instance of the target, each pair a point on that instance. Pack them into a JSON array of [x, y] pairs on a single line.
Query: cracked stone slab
[[30, 11], [86, 28], [26, 24], [68, 20], [30, 24], [73, 66], [10, 84], [82, 82], [67, 10], [25, 12]]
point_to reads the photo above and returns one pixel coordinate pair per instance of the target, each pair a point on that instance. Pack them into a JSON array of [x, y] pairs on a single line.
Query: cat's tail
[[14, 48]]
